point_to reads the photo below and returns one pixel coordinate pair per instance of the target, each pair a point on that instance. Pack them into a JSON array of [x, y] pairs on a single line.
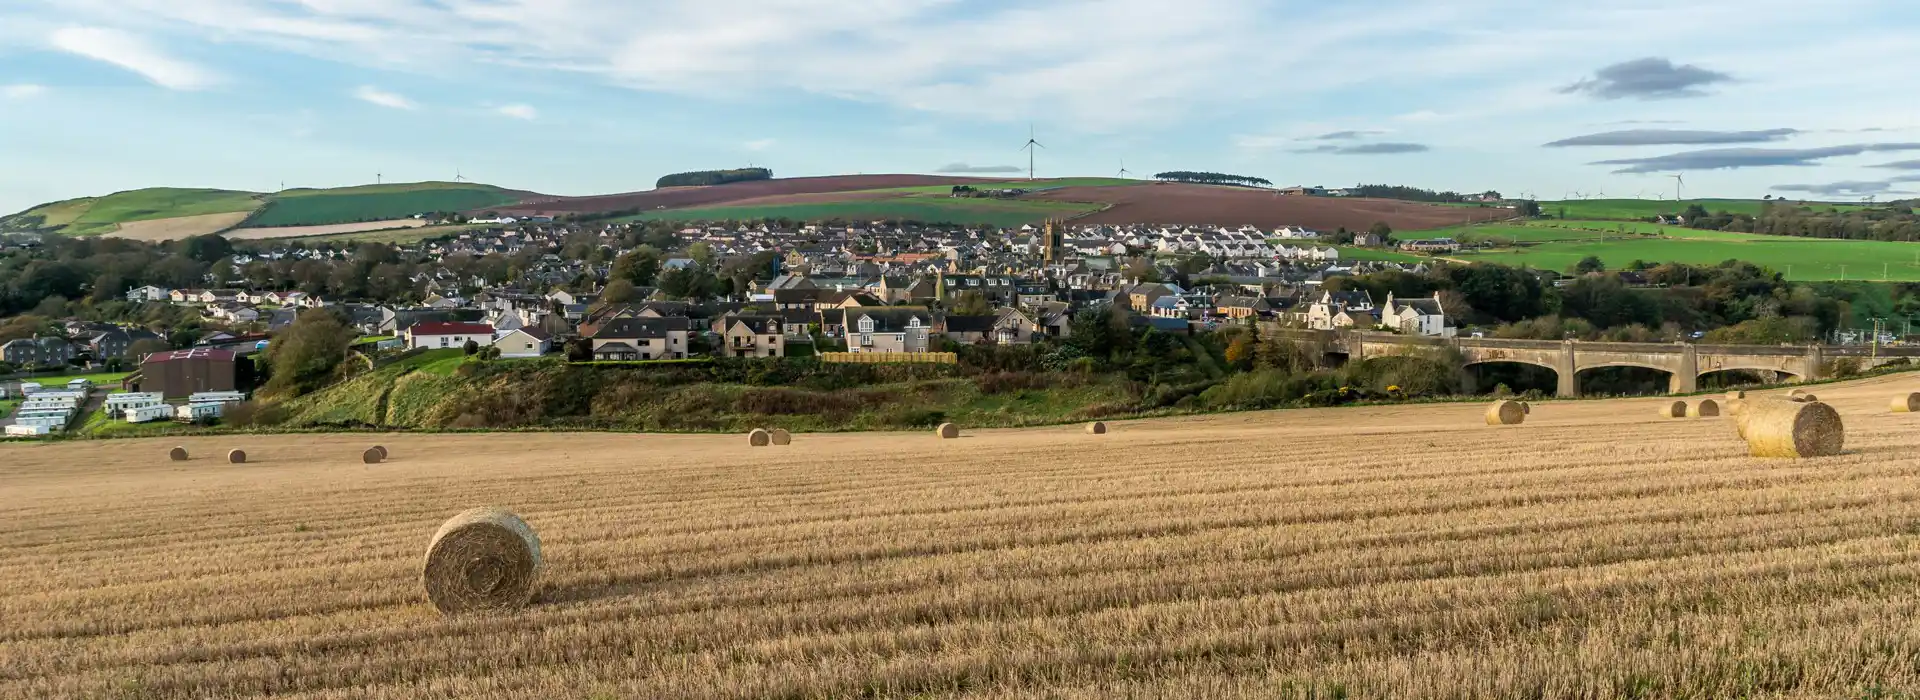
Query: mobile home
[[196, 412], [120, 402], [19, 430], [148, 414]]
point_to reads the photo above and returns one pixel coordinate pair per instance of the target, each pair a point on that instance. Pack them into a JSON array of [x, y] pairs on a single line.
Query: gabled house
[[1320, 314], [37, 352], [755, 336], [149, 293], [642, 338], [888, 330], [524, 342], [1415, 316], [970, 330]]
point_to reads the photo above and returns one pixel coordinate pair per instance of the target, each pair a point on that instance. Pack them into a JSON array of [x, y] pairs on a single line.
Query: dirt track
[[1177, 203], [1406, 552], [683, 197]]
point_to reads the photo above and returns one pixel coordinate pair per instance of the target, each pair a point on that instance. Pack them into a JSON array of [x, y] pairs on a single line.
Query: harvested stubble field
[[1595, 551]]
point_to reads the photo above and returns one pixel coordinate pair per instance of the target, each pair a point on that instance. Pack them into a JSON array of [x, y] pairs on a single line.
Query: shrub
[[247, 414]]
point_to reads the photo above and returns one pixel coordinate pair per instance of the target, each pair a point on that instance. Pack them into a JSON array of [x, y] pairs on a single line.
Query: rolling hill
[[167, 213]]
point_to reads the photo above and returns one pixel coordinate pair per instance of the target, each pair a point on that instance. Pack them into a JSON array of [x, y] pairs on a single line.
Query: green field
[[942, 210], [1543, 231], [99, 378], [1802, 259], [346, 205], [1352, 253], [396, 236], [1645, 208], [96, 215]]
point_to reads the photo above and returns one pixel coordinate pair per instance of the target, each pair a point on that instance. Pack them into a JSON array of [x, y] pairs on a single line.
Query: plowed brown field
[[1175, 203], [1406, 552]]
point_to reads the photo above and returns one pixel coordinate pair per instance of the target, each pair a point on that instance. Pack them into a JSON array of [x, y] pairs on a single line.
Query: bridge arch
[[1561, 378]]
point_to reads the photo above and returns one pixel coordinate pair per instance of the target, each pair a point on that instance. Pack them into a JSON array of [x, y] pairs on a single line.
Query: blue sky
[[1742, 97]]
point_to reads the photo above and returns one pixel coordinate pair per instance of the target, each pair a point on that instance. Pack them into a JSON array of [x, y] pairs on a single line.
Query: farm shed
[[182, 373]]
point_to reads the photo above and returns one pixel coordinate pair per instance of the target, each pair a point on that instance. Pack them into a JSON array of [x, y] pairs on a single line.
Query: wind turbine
[[1123, 169], [457, 177], [1029, 148], [1679, 183]]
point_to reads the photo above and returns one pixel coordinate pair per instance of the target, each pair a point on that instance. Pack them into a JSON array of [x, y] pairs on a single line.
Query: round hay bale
[[782, 437], [1736, 395], [237, 456], [382, 449], [1906, 403], [1793, 429], [1706, 408], [1738, 409], [1096, 428], [177, 454], [373, 455], [1506, 413], [1796, 393], [948, 431], [1803, 397], [759, 437], [483, 560], [1675, 409]]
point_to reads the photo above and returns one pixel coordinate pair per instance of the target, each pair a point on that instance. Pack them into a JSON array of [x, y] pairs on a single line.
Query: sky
[[1741, 98]]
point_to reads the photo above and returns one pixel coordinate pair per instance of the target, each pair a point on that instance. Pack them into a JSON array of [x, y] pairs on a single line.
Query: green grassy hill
[[90, 216], [309, 207], [96, 215]]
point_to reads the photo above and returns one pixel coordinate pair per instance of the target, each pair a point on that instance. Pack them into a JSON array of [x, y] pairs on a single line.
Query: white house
[[448, 335], [1415, 316], [149, 293], [524, 342]]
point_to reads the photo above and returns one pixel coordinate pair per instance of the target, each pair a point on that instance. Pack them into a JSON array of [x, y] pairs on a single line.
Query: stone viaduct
[[1685, 363]]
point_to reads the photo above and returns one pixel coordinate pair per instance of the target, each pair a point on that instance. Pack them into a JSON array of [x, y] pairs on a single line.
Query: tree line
[[1211, 178], [1894, 222], [698, 178], [1411, 194]]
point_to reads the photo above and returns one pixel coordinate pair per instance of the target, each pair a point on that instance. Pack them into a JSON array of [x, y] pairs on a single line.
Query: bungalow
[[524, 342], [448, 335], [1431, 245]]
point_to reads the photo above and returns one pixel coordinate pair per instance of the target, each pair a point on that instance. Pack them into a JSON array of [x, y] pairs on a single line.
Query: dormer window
[[866, 324], [914, 323]]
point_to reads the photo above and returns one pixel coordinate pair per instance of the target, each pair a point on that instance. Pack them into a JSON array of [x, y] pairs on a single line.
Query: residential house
[[1431, 245], [1013, 327], [1415, 316], [1361, 319], [642, 338], [117, 342], [524, 342], [888, 330], [755, 336], [1140, 297], [37, 352], [970, 330], [1321, 314], [149, 293], [448, 335], [1238, 307]]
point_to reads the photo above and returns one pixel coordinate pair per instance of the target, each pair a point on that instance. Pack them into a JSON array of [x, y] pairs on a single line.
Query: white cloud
[[518, 111], [133, 53], [22, 91], [758, 144], [374, 95]]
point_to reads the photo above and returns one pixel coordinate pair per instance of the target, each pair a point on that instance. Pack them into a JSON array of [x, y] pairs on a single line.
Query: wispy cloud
[[963, 168], [1901, 165], [1347, 135], [383, 98], [518, 111], [133, 53], [22, 91], [1846, 188], [1647, 79], [1733, 158], [1368, 149], [758, 144], [1673, 137]]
